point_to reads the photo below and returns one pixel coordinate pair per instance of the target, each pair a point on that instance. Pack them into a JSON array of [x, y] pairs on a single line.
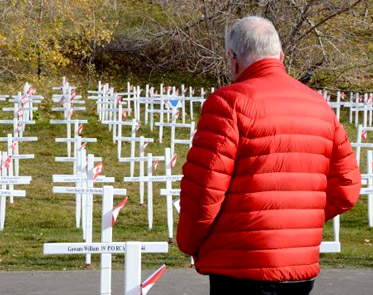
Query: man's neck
[[248, 63]]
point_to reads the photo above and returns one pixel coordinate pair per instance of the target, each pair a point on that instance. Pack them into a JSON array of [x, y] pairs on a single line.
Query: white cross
[[132, 250], [168, 178], [68, 138], [14, 151], [9, 181], [133, 139], [83, 179]]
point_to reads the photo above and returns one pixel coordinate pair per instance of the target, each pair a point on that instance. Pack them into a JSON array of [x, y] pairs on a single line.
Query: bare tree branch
[[325, 19]]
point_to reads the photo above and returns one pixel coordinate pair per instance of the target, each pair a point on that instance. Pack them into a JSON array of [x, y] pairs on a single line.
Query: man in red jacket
[[270, 163]]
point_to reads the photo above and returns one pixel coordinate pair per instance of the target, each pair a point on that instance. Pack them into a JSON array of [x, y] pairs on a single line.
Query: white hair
[[253, 38]]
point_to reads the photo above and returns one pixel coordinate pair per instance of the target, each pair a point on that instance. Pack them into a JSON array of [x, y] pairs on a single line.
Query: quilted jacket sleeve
[[207, 172], [344, 179]]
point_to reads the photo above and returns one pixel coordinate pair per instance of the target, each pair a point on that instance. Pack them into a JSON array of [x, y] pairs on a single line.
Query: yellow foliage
[[44, 34]]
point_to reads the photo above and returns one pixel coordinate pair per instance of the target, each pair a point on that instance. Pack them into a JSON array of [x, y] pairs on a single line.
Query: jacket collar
[[261, 67]]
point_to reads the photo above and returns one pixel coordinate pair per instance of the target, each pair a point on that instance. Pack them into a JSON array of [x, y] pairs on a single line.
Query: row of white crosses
[[109, 112], [85, 175], [170, 103], [337, 104], [359, 103], [22, 109], [153, 102], [106, 96], [364, 103], [79, 159], [173, 105], [67, 98], [24, 103], [367, 179], [141, 159], [22, 114], [120, 113], [107, 101]]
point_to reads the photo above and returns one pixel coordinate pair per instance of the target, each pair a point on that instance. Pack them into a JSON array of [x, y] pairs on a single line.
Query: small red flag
[[7, 162], [83, 146], [97, 170], [31, 91], [138, 125], [173, 161], [193, 134], [364, 135], [145, 145], [19, 127], [24, 100], [155, 164], [20, 113], [14, 144], [80, 129], [176, 115], [73, 95], [116, 210], [152, 279]]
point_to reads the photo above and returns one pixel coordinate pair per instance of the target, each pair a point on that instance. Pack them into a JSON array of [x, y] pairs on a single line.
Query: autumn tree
[[39, 36]]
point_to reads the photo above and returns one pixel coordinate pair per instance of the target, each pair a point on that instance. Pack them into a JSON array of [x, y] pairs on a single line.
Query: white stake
[[370, 185], [150, 191], [106, 237], [170, 218], [132, 274]]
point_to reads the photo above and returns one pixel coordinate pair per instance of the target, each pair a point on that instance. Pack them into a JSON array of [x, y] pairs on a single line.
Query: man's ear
[[236, 67]]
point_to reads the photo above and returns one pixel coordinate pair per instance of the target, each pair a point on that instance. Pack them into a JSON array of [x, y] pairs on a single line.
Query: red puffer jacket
[[269, 164]]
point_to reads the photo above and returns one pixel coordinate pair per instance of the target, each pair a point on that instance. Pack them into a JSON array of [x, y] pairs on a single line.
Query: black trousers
[[222, 285]]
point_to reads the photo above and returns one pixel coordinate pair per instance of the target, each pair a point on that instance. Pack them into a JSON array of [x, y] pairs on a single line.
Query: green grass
[[43, 217]]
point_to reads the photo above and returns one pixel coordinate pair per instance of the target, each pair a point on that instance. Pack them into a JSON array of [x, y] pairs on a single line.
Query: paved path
[[173, 282]]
